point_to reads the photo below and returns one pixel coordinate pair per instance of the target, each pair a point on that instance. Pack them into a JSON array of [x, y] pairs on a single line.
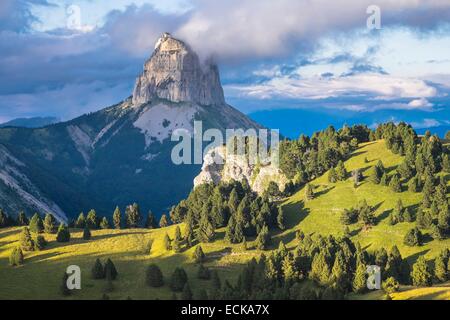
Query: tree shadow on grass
[[384, 215], [324, 191], [413, 258]]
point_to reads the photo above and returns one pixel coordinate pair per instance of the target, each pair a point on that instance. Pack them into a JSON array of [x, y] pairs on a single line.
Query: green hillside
[[321, 215], [41, 275]]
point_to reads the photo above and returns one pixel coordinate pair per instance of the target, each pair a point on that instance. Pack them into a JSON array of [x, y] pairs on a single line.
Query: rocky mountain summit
[[120, 154], [175, 73]]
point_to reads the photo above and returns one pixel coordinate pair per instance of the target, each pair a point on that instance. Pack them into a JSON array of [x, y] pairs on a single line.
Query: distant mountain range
[[121, 154], [36, 122]]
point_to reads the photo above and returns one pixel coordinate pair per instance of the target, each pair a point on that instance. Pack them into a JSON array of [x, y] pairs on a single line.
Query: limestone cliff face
[[218, 167], [174, 73]]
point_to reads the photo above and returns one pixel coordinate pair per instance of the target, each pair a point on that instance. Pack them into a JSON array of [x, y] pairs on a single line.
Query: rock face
[[174, 73], [218, 167]]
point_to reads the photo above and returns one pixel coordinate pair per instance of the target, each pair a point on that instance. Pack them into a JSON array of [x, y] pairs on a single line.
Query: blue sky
[[314, 57]]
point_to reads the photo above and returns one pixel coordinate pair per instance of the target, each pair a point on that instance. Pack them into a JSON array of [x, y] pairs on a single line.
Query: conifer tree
[[199, 255], [444, 218], [133, 215], [163, 222], [405, 170], [413, 238], [49, 223], [341, 172], [413, 185], [440, 268], [98, 271], [332, 176], [36, 224], [320, 270], [428, 190], [167, 242], [39, 243], [339, 272], [176, 246], [178, 236], [16, 257], [309, 192], [86, 233], [233, 200], [25, 241], [421, 274], [81, 221], [64, 290], [280, 219], [154, 276], [423, 219], [360, 281], [395, 184], [390, 285], [151, 222], [104, 224], [375, 175], [263, 239], [110, 270], [203, 272], [178, 280], [446, 163], [63, 234], [205, 232], [3, 219], [22, 219], [189, 236], [117, 218], [437, 232], [92, 219]]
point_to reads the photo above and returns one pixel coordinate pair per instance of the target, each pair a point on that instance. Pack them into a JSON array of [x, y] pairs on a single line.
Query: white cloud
[[379, 86], [426, 123]]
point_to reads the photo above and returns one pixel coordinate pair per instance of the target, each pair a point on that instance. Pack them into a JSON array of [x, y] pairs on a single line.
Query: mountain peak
[[175, 73]]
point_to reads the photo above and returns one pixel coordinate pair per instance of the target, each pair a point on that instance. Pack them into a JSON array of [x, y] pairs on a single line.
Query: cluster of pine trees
[[307, 158], [232, 205]]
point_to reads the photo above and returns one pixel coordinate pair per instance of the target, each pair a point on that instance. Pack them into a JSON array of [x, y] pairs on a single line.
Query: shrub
[[154, 276]]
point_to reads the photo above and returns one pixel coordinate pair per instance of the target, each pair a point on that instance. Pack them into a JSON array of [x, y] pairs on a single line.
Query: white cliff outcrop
[[218, 166]]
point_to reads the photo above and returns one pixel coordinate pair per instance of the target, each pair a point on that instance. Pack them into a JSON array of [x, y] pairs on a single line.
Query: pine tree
[[163, 222], [39, 242], [36, 224], [332, 176], [199, 255], [3, 219], [133, 215], [436, 232], [320, 269], [178, 280], [428, 190], [421, 275], [189, 236], [154, 276], [405, 170], [151, 222], [25, 241], [395, 184], [233, 200], [104, 223], [446, 163], [375, 175], [63, 288], [63, 234], [280, 219], [263, 239], [98, 271], [186, 294], [110, 270], [413, 185], [413, 238], [444, 218], [49, 223], [390, 285], [309, 192], [205, 232], [117, 218], [92, 220], [178, 236], [22, 219], [16, 257], [341, 172], [366, 215], [167, 242], [81, 221], [339, 272], [176, 246], [86, 233], [423, 219], [440, 268], [360, 281]]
